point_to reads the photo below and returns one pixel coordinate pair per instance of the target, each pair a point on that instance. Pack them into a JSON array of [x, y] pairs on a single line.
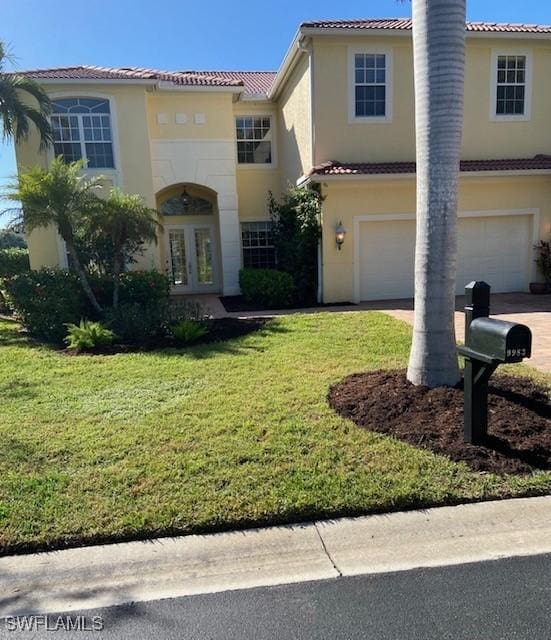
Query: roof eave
[[317, 177], [255, 97], [167, 85], [358, 31], [292, 54]]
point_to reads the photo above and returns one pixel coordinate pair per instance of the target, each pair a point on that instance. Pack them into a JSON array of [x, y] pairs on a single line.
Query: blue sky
[[178, 34]]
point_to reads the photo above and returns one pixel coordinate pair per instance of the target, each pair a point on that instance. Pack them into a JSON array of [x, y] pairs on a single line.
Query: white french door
[[192, 258]]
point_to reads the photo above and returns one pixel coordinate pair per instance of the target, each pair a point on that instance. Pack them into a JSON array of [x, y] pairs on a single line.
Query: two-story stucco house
[[206, 147]]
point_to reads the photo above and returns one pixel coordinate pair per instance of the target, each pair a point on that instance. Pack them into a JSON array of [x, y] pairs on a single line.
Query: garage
[[494, 248]]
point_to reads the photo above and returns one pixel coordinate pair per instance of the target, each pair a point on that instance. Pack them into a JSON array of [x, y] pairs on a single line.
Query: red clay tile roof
[[405, 24], [334, 168], [253, 82]]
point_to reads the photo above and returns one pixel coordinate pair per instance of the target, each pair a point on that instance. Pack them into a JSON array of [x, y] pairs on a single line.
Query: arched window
[[186, 205], [82, 129]]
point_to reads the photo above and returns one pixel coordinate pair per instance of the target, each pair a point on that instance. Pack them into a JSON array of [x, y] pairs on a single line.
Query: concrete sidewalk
[[106, 575]]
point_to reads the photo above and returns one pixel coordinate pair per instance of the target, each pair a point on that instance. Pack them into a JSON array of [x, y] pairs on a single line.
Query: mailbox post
[[488, 343]]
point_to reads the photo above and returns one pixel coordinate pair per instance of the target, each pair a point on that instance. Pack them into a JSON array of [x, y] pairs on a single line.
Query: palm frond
[[17, 113], [30, 86]]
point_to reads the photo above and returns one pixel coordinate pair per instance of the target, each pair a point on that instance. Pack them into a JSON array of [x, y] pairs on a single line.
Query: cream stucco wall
[[295, 124], [208, 115], [337, 139], [346, 200]]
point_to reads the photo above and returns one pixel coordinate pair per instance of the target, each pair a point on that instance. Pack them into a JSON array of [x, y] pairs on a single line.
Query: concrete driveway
[[531, 310]]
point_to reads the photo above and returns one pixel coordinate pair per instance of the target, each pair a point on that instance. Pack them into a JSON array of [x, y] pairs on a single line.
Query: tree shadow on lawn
[[15, 336], [232, 346]]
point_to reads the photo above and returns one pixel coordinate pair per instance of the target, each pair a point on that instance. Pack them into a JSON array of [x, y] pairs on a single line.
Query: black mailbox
[[488, 343], [499, 340]]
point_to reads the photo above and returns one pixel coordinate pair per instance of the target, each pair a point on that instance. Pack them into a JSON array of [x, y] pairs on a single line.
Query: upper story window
[[82, 130], [511, 86], [254, 139], [370, 85]]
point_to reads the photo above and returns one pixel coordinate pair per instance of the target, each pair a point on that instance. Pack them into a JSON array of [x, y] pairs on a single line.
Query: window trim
[[114, 173], [257, 165], [511, 117], [243, 221], [373, 50]]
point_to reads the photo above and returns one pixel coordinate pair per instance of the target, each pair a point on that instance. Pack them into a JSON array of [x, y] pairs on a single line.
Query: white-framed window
[[511, 85], [82, 129], [258, 245], [254, 139], [370, 85]]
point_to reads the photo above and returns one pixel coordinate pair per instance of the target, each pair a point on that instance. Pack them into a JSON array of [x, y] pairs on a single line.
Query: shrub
[[137, 287], [45, 301], [188, 331], [13, 261], [136, 323], [88, 335], [267, 287], [544, 260], [143, 313], [296, 233], [10, 239]]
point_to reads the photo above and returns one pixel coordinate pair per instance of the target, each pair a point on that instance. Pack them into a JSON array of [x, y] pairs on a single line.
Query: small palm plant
[[16, 114], [88, 335], [60, 196], [122, 223]]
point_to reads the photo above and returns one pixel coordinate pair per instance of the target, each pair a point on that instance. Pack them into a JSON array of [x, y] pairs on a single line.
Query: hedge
[[267, 287], [47, 300]]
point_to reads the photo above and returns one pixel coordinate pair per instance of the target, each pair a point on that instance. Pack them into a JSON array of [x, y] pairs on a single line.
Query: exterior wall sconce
[[340, 233]]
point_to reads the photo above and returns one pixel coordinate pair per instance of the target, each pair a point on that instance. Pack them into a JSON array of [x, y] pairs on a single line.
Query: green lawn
[[218, 436]]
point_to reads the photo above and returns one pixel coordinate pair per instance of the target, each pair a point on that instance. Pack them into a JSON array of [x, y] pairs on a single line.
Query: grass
[[215, 436]]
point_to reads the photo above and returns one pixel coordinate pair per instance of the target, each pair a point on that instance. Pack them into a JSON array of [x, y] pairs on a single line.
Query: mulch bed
[[519, 418], [220, 330]]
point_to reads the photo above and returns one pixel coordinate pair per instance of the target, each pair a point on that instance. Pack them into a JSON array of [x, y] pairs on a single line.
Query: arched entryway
[[190, 248]]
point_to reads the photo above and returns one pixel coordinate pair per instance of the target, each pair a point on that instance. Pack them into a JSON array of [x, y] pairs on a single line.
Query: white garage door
[[495, 249]]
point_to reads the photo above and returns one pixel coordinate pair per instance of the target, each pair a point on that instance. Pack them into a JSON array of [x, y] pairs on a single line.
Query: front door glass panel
[[203, 256], [178, 260]]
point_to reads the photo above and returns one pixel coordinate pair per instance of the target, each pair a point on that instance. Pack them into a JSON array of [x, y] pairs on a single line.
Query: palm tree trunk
[[439, 61], [71, 249]]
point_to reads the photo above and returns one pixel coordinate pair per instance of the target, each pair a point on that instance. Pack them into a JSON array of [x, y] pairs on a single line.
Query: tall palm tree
[[59, 196], [123, 224], [439, 62], [16, 113]]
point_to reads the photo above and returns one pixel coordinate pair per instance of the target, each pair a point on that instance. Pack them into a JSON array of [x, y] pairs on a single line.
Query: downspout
[[320, 260]]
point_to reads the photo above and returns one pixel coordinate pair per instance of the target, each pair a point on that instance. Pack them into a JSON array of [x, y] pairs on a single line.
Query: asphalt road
[[503, 599]]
